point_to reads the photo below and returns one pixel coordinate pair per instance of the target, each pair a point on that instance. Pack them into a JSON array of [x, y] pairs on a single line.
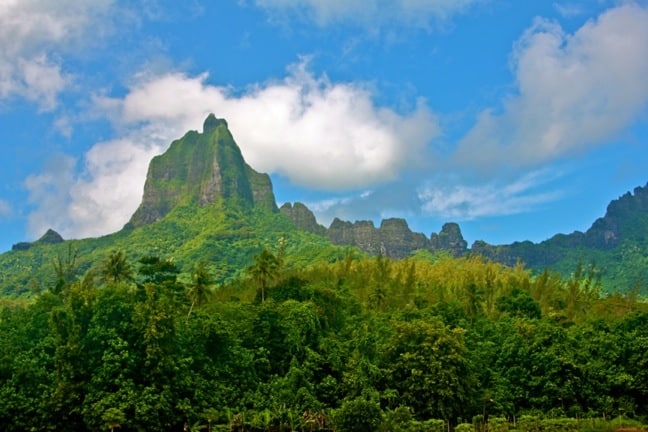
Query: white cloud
[[573, 91], [447, 199], [315, 132], [418, 13], [312, 131], [31, 33]]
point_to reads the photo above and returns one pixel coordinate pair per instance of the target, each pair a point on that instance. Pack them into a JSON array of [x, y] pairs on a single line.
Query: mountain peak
[[202, 168], [211, 123], [50, 237]]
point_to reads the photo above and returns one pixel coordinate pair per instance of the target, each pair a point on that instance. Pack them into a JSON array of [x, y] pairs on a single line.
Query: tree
[[157, 271], [358, 415], [64, 269], [162, 274], [429, 368], [264, 270], [113, 418], [116, 268], [199, 290], [519, 304]]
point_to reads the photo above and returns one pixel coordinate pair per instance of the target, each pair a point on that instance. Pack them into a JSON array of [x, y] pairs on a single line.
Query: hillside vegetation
[[202, 200], [214, 309], [357, 344], [223, 234]]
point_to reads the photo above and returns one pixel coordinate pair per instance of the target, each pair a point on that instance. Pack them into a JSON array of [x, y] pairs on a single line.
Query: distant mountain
[[202, 201], [393, 238], [616, 245], [50, 237]]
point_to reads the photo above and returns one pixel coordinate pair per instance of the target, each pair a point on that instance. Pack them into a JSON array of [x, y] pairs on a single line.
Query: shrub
[[464, 427], [357, 415]]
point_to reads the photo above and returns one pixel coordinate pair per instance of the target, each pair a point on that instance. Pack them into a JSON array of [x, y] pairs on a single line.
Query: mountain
[[202, 168], [202, 201], [50, 237], [614, 248], [617, 244]]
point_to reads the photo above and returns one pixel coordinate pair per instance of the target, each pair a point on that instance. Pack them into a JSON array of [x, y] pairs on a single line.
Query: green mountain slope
[[201, 202], [616, 245]]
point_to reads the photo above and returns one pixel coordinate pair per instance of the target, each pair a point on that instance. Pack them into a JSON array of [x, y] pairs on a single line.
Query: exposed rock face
[[623, 217], [303, 218], [204, 168], [398, 240], [360, 233], [607, 231], [393, 238], [449, 239]]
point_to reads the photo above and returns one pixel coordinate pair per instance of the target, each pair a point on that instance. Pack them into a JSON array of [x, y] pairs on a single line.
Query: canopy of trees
[[359, 344]]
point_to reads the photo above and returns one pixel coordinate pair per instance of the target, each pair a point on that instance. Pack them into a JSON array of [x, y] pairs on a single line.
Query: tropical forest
[[214, 310]]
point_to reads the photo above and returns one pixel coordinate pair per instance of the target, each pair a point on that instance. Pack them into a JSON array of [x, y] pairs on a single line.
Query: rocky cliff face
[[393, 238], [303, 218], [626, 218], [203, 168], [450, 240], [606, 232]]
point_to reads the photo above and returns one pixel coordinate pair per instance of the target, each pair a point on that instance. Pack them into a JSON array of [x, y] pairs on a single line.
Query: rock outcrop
[[203, 168], [393, 238], [303, 218], [50, 237], [450, 240]]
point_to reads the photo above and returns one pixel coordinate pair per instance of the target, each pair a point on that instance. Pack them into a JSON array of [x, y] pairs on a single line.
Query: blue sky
[[516, 119]]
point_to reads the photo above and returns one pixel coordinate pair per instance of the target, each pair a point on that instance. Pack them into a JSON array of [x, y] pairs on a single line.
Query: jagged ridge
[[207, 171]]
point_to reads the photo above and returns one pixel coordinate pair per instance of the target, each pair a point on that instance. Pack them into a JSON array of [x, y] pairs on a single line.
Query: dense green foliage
[[223, 234], [421, 344]]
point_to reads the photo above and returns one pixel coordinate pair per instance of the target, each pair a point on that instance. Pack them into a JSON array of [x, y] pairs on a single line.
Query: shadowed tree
[[113, 418]]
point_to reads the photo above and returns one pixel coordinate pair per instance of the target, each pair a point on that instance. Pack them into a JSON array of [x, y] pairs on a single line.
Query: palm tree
[[65, 269], [199, 290], [264, 270], [116, 268]]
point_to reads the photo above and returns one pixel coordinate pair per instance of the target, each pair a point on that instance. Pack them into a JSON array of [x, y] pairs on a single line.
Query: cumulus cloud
[[312, 131], [31, 33], [419, 13], [573, 91], [102, 197]]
